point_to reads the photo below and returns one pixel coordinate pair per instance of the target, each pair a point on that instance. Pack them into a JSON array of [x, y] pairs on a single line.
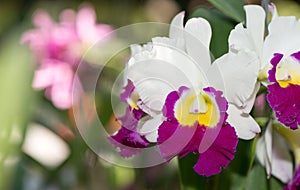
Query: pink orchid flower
[[58, 48]]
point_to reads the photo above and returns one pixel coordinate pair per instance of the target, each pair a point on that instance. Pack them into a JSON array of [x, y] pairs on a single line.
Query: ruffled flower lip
[[216, 146], [285, 101], [128, 139]]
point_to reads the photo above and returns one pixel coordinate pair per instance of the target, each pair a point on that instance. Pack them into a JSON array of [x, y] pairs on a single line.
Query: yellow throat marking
[[207, 113]]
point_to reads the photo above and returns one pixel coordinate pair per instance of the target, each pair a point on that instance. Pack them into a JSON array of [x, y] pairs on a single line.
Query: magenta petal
[[128, 90], [195, 141], [216, 146], [286, 104], [284, 101], [295, 183], [130, 119], [129, 142], [173, 138], [296, 55], [210, 135], [168, 109], [274, 61], [219, 154], [218, 95], [128, 139]]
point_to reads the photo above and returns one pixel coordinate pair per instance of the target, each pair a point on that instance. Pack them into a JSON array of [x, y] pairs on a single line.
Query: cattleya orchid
[[187, 106], [279, 57], [274, 154], [292, 138], [273, 151], [58, 49]]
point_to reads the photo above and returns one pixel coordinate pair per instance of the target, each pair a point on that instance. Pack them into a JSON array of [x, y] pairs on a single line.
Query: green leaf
[[190, 180], [16, 98], [221, 27], [232, 8], [275, 184], [242, 158], [237, 181], [257, 179]]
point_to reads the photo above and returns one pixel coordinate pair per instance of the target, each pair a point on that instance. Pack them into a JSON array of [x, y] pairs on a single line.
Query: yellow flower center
[[288, 72], [132, 101], [192, 108]]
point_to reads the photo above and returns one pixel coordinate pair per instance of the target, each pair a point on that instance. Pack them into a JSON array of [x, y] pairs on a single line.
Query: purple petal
[[210, 135], [286, 103], [128, 139], [295, 183], [130, 119], [172, 139], [296, 55], [274, 61], [168, 109], [216, 146], [219, 154], [129, 142], [128, 90], [218, 95]]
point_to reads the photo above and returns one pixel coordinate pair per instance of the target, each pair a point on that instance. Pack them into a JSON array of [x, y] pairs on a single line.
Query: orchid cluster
[[181, 100], [58, 49]]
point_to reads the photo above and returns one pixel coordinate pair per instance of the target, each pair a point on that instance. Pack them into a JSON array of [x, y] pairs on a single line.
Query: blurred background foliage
[[22, 109]]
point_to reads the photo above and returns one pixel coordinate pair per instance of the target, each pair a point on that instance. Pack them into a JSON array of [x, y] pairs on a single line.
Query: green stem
[[253, 154]]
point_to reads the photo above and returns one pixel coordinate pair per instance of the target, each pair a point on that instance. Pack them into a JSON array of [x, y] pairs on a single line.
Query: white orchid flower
[[273, 153], [183, 59], [279, 58]]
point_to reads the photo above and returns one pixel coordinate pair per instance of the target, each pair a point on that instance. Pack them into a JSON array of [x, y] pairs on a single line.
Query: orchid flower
[[178, 87], [273, 151], [58, 48], [279, 57], [292, 138]]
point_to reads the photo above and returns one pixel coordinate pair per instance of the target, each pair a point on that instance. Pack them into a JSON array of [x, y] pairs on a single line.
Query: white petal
[[274, 154], [248, 104], [197, 38], [238, 76], [176, 28], [240, 39], [283, 37], [255, 19], [273, 10], [177, 43], [282, 166], [152, 137], [199, 105], [167, 70], [245, 126], [200, 29], [268, 136], [261, 154], [135, 49], [150, 128]]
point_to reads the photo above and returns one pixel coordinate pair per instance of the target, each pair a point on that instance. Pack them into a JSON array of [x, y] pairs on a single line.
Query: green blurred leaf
[[257, 179], [16, 98], [242, 158], [190, 180], [232, 8], [221, 27], [275, 184]]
